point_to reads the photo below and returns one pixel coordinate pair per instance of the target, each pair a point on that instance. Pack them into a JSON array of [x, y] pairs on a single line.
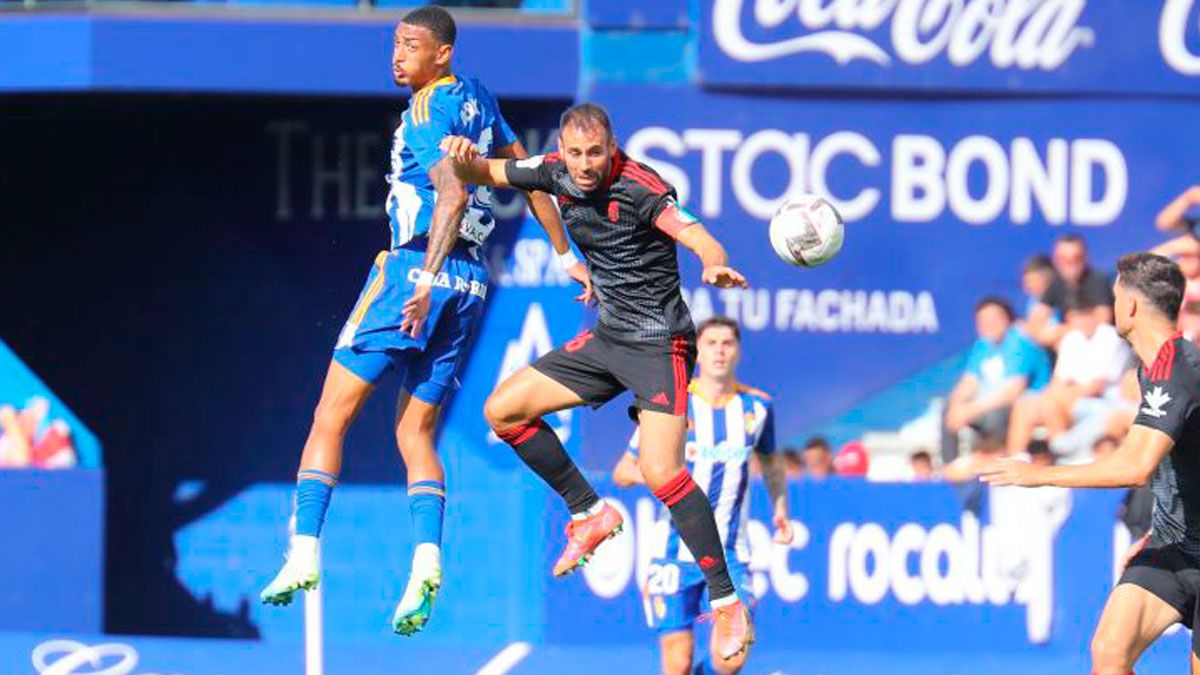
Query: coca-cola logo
[[1025, 34], [1173, 28], [68, 657]]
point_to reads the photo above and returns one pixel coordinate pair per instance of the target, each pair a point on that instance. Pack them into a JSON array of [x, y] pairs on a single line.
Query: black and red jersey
[[633, 265], [1170, 402]]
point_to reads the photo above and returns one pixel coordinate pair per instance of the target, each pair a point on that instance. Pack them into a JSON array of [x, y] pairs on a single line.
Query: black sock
[[541, 451], [693, 518]]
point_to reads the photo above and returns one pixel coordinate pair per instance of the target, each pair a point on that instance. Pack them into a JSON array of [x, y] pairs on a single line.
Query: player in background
[[726, 422], [626, 222], [1160, 585], [419, 309]]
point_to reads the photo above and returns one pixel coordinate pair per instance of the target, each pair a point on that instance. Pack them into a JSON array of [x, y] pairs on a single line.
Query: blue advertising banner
[[888, 567], [940, 211], [977, 45]]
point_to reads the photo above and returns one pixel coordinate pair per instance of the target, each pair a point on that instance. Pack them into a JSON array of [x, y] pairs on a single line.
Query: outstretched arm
[[469, 167], [712, 254], [1131, 465]]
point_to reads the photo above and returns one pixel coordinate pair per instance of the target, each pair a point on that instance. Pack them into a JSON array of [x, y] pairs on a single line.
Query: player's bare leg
[[1133, 618], [514, 411], [342, 396], [676, 652], [661, 462], [1195, 664], [416, 428]]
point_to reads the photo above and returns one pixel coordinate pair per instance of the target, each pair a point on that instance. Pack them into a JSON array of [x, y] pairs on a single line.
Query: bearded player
[[1160, 585], [626, 222], [418, 311]]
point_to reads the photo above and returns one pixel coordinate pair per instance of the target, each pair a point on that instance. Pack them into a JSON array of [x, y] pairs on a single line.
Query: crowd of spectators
[[1049, 380]]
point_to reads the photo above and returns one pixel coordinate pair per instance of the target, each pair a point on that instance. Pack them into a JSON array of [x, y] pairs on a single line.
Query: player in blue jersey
[[727, 422], [417, 313]]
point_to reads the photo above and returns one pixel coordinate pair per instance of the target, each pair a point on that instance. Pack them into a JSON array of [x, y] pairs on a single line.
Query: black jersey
[[634, 270], [1170, 399]]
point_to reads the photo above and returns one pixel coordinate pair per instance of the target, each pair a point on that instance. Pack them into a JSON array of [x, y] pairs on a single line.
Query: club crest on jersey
[[751, 422], [469, 110], [1155, 399], [614, 211], [690, 451]]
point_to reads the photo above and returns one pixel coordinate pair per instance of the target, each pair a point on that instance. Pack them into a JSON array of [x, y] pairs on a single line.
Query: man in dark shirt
[[1073, 276], [1161, 584], [626, 221]]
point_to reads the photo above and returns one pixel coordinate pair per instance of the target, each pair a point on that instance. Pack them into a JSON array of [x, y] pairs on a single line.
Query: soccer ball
[[807, 231]]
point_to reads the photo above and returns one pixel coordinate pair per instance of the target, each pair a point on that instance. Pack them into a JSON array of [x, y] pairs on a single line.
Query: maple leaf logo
[[1155, 399]]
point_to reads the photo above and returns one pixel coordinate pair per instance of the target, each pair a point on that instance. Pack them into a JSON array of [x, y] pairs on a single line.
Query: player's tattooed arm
[[448, 211]]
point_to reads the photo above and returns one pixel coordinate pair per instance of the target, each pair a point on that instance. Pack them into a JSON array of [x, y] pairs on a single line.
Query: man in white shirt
[[1087, 377]]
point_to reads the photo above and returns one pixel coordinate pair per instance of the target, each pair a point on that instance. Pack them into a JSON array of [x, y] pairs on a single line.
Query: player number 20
[[663, 579]]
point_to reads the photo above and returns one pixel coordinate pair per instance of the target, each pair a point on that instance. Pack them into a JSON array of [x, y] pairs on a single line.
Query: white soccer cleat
[[424, 581], [301, 571]]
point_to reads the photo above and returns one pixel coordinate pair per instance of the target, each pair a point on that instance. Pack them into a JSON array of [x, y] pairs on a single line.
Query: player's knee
[[657, 472], [499, 413], [676, 662], [1109, 655], [332, 418]]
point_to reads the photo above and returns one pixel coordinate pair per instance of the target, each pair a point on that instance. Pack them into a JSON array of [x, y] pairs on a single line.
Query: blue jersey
[[452, 106], [721, 436]]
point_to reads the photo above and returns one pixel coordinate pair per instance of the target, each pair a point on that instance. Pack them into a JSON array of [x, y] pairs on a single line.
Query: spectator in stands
[[852, 460], [818, 458], [793, 464], [1039, 453], [1002, 366], [1182, 217], [1091, 361], [1073, 277], [1036, 276], [963, 469], [922, 466]]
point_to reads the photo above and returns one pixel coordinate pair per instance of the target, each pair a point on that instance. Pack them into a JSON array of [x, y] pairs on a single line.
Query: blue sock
[[313, 490], [427, 503]]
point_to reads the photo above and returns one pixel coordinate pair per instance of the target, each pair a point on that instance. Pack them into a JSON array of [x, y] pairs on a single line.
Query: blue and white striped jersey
[[721, 436], [452, 106]]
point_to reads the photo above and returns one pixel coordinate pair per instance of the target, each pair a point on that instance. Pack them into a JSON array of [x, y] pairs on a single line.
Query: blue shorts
[[371, 342], [675, 590]]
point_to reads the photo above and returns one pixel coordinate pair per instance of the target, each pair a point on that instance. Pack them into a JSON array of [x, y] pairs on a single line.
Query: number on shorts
[[663, 579]]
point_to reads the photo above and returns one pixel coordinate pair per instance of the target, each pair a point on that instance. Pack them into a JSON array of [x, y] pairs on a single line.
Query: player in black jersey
[[626, 222], [1161, 583]]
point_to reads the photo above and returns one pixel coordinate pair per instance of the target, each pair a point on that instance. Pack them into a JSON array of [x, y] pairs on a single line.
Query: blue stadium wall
[[184, 237]]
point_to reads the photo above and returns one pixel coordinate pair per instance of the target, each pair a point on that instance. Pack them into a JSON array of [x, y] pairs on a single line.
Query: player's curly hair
[[1155, 278], [437, 20]]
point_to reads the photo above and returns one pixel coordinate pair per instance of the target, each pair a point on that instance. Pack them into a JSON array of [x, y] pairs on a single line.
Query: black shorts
[[1173, 576], [598, 368]]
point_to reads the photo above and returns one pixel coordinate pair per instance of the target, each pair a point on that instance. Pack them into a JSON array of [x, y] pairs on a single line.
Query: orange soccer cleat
[[733, 629], [583, 536]]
